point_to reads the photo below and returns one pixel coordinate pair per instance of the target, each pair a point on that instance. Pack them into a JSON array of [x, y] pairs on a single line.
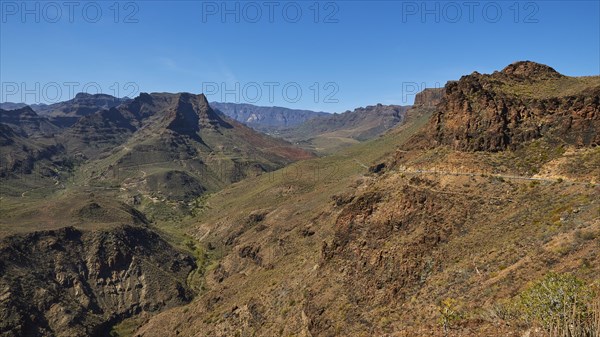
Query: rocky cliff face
[[71, 283], [523, 102], [191, 113], [429, 97]]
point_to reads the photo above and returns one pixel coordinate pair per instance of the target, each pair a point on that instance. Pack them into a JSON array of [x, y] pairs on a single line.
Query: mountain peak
[[83, 95], [185, 113], [26, 110], [184, 117], [203, 99], [144, 97], [531, 70]]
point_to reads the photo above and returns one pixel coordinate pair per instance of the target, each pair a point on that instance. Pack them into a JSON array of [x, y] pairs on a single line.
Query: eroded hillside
[[398, 230], [69, 282], [486, 187]]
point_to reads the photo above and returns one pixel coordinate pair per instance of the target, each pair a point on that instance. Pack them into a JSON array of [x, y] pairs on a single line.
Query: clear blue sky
[[358, 52]]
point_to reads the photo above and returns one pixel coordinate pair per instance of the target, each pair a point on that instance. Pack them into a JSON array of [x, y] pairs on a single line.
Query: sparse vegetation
[[562, 304], [322, 247], [558, 87], [450, 314]]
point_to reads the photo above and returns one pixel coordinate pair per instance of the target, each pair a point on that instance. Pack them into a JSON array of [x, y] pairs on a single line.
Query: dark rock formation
[[525, 101], [71, 283], [27, 123]]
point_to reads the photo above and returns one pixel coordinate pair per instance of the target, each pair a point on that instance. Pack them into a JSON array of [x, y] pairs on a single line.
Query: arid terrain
[[464, 214]]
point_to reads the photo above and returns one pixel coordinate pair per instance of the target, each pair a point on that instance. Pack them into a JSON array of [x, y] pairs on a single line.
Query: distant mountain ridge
[[265, 118], [332, 131], [361, 124], [67, 113], [262, 118], [292, 124], [12, 106], [27, 122]]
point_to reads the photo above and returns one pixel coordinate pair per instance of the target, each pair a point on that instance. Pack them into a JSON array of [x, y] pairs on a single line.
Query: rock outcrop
[[429, 97], [527, 70], [523, 102]]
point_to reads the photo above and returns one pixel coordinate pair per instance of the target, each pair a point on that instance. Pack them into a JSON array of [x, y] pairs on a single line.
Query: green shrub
[[450, 314], [558, 302]]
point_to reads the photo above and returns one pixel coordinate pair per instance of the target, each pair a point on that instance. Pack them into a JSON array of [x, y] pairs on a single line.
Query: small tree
[[449, 313]]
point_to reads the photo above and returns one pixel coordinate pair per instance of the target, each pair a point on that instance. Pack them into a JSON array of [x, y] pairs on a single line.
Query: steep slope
[[27, 123], [269, 231], [28, 163], [395, 237], [172, 147], [331, 132], [93, 134], [72, 283], [19, 154], [266, 119]]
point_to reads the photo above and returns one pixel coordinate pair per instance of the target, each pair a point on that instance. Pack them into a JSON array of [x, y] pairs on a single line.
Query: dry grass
[[559, 87]]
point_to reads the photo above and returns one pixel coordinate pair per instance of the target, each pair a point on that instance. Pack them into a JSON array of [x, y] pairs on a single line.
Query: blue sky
[[339, 55]]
